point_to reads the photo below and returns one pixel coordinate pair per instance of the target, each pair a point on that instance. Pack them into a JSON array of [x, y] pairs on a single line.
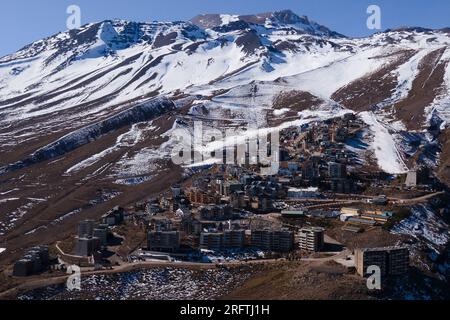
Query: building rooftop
[[312, 189], [312, 229], [296, 212]]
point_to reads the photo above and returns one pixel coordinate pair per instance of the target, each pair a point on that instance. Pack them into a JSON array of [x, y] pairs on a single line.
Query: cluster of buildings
[[220, 240], [34, 261], [92, 236], [365, 217], [211, 213], [89, 238], [264, 239], [211, 210], [318, 156]]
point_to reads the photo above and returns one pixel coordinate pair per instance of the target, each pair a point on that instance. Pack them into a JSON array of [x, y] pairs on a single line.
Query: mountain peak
[[285, 19], [289, 17]]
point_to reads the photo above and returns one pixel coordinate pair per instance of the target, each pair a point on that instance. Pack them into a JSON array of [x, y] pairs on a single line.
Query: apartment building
[[211, 240], [311, 239], [164, 241], [391, 260], [229, 239], [86, 242], [34, 261], [234, 238], [270, 240]]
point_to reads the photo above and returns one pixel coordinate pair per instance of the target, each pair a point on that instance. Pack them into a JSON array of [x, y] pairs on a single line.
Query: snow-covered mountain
[[81, 73], [281, 21], [91, 109]]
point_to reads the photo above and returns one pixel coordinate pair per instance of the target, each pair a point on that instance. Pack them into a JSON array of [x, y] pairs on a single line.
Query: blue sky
[[24, 21]]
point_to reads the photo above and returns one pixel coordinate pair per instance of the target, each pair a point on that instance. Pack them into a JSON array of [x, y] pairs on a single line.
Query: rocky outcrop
[[139, 113]]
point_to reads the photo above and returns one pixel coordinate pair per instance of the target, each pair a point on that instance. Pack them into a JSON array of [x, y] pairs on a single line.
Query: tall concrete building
[[176, 190], [34, 261], [398, 262], [86, 228], [337, 170], [283, 241], [391, 260], [86, 244], [312, 239], [211, 240], [165, 241], [23, 268], [114, 217], [411, 179], [262, 239], [234, 238], [270, 240], [310, 170], [417, 177], [101, 232], [86, 247]]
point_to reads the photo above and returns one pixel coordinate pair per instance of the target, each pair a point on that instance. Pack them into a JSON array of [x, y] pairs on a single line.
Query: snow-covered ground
[[425, 225], [8, 192], [441, 105], [10, 219], [128, 139], [406, 74], [142, 163], [8, 199], [384, 146], [153, 284], [209, 256]]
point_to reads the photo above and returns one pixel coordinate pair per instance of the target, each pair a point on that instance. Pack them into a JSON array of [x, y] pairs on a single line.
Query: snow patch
[[425, 224], [8, 200], [227, 18], [384, 146], [280, 112], [128, 139]]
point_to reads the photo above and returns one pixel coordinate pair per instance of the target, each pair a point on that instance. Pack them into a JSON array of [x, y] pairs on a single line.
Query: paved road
[[355, 198], [333, 256], [419, 199]]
